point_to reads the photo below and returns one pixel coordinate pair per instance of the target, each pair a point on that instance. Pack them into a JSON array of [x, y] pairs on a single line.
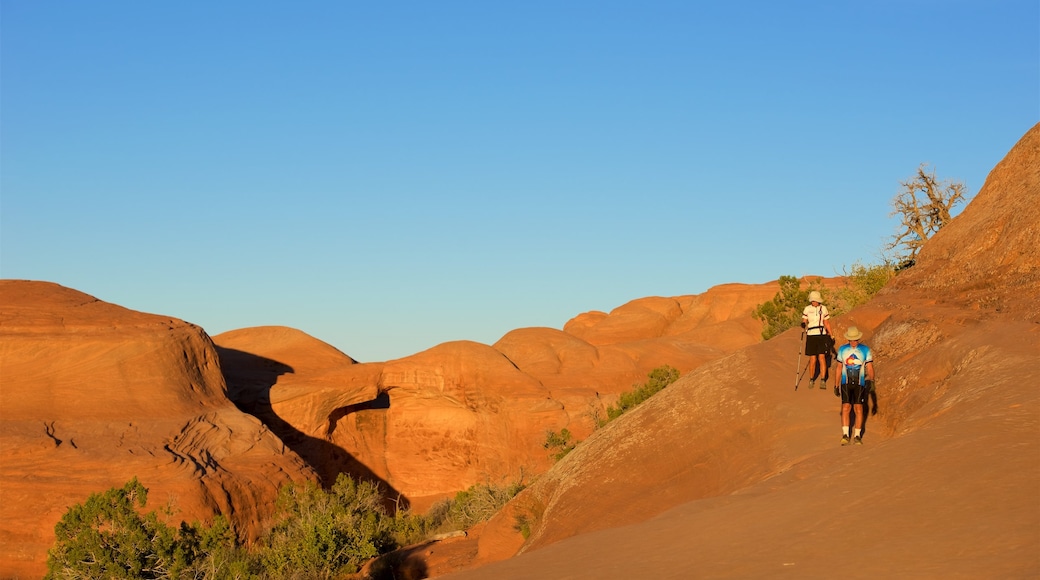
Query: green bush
[[860, 284], [522, 524], [219, 555], [317, 534], [106, 537], [322, 534], [477, 504], [657, 379], [784, 311], [559, 444]]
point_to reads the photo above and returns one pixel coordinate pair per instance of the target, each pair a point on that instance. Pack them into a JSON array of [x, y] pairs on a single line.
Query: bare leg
[[846, 408]]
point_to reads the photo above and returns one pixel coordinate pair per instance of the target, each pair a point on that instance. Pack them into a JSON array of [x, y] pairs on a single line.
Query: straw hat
[[853, 333]]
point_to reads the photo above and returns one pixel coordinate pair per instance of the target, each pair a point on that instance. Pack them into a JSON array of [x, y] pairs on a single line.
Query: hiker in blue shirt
[[854, 383]]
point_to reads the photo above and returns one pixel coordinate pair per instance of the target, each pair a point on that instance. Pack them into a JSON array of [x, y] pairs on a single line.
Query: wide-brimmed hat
[[814, 296], [853, 333]]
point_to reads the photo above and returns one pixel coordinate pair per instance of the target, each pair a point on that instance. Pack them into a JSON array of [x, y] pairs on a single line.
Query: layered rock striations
[[93, 394], [462, 413]]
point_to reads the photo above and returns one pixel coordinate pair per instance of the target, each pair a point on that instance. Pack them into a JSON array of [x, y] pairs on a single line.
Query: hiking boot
[[812, 384], [844, 439], [858, 440]]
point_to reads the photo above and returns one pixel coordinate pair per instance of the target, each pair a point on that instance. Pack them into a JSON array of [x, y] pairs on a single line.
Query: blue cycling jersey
[[853, 360]]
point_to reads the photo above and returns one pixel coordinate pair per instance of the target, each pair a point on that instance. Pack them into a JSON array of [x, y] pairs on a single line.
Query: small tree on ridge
[[924, 205]]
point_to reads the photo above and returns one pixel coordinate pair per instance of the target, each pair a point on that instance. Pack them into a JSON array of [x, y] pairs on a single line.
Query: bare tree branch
[[924, 205]]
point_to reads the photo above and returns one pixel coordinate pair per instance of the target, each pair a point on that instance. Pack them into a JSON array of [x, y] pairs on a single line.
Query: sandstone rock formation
[[730, 473], [429, 425], [300, 388], [727, 473], [94, 394]]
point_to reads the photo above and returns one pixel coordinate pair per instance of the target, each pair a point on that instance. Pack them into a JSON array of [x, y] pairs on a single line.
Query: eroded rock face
[[115, 393], [302, 388], [462, 413], [428, 425], [94, 394]]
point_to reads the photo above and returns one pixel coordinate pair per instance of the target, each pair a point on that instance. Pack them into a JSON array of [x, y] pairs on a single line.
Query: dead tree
[[924, 205]]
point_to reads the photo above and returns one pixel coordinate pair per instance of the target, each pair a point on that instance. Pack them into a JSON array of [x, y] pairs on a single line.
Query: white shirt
[[813, 317]]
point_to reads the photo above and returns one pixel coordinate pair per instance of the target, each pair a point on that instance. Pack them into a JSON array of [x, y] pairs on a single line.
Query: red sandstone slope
[[94, 394], [746, 479]]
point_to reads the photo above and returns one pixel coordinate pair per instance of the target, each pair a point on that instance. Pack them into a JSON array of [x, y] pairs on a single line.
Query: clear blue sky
[[388, 176]]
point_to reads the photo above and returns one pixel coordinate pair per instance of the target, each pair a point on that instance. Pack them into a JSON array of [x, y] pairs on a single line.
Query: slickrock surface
[[731, 473]]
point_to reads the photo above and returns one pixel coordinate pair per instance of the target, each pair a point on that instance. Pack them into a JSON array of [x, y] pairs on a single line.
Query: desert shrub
[[218, 553], [477, 504], [107, 537], [861, 283], [559, 444], [317, 534], [325, 534], [471, 506], [657, 379], [784, 311], [411, 528], [522, 524]]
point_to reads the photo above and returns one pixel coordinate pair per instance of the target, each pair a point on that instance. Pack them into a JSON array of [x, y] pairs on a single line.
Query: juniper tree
[[924, 206]]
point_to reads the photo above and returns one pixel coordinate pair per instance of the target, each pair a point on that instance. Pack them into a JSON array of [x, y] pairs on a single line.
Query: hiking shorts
[[854, 394], [816, 344]]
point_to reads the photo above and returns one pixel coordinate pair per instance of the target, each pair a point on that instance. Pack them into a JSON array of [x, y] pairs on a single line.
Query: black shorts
[[817, 344], [854, 394]]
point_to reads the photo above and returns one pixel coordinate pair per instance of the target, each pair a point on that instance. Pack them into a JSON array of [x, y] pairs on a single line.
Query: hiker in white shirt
[[817, 325]]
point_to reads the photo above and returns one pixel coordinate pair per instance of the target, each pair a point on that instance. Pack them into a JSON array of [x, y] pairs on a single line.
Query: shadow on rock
[[382, 401], [249, 379], [403, 564]]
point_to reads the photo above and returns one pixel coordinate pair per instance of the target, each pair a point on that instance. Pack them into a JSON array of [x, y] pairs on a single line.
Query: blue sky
[[390, 176]]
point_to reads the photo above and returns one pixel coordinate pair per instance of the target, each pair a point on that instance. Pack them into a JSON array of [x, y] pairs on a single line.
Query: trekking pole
[[797, 371]]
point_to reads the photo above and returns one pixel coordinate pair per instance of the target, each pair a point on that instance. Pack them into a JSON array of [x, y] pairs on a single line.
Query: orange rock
[[731, 473], [462, 413], [94, 394]]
